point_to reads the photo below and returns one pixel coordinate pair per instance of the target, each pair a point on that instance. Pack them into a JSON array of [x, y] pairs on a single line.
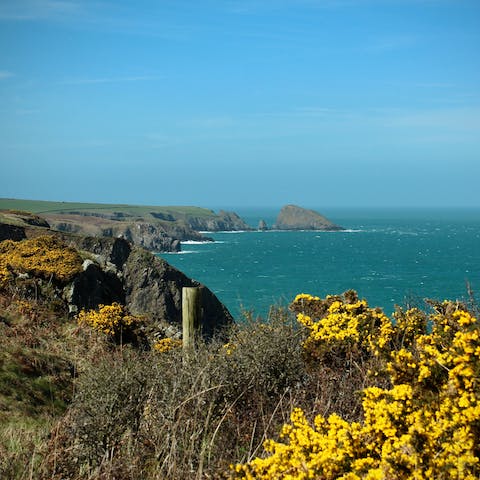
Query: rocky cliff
[[292, 217], [113, 270], [153, 235], [157, 232], [223, 221]]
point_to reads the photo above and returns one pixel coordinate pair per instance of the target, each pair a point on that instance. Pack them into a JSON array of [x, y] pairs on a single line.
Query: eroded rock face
[[11, 232], [116, 271], [153, 286], [223, 221], [262, 225], [94, 287], [292, 217], [151, 236]]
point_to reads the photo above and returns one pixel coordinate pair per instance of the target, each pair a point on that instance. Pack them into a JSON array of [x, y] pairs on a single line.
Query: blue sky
[[254, 102]]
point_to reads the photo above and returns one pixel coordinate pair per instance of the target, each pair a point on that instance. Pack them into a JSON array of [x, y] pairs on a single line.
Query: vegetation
[[45, 257], [43, 207], [424, 425], [112, 320], [330, 389]]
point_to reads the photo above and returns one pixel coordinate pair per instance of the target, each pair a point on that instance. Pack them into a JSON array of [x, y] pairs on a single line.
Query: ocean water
[[390, 257]]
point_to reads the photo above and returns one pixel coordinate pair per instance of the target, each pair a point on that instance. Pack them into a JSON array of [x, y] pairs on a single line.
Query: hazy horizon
[[333, 103]]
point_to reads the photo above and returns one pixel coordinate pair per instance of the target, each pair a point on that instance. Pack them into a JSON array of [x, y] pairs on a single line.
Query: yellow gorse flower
[[108, 319], [167, 344], [44, 256], [426, 426]]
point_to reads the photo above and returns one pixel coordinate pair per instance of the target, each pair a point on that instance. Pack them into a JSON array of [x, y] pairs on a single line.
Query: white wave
[[181, 252], [350, 230], [194, 242]]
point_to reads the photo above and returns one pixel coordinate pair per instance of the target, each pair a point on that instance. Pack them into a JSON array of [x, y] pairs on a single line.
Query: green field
[[44, 207]]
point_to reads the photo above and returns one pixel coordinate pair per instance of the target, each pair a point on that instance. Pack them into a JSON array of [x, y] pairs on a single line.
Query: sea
[[391, 257]]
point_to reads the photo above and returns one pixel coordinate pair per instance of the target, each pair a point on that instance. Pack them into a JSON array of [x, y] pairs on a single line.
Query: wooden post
[[191, 315]]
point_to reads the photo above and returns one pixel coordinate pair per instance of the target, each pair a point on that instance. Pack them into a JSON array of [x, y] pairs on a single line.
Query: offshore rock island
[[156, 228], [292, 217]]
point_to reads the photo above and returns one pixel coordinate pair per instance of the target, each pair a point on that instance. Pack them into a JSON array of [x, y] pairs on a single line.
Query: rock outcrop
[[154, 287], [114, 270], [262, 225], [152, 236], [292, 217], [223, 221], [156, 228], [13, 224]]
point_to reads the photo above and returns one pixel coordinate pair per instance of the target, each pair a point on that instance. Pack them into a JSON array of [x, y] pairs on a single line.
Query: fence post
[[191, 315]]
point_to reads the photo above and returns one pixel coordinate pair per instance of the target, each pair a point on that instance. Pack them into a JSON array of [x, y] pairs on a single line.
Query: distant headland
[[157, 228]]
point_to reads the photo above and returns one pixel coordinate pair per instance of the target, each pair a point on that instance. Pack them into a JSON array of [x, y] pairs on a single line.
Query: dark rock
[[113, 250], [292, 217], [163, 216], [94, 287], [262, 225], [154, 287], [224, 221], [11, 232]]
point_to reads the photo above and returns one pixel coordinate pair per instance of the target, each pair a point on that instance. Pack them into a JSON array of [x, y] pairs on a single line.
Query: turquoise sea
[[390, 256]]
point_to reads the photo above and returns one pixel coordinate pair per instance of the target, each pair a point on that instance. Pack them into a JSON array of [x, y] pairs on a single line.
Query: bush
[[114, 321], [425, 425], [44, 256], [175, 414]]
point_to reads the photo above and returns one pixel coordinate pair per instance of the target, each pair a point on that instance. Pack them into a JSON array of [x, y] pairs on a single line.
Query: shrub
[[167, 344], [425, 425], [112, 320], [46, 257], [182, 414]]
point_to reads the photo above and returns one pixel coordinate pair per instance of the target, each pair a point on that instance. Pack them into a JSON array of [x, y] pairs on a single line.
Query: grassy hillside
[[45, 207], [342, 392]]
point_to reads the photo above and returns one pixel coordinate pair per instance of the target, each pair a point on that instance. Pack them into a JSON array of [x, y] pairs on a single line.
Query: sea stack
[[292, 217], [262, 225]]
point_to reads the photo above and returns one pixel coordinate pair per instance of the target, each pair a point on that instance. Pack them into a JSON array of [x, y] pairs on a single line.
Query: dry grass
[[143, 414]]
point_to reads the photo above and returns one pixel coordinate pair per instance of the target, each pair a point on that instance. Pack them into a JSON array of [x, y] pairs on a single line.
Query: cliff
[[155, 235], [156, 228], [223, 221], [292, 217], [80, 272]]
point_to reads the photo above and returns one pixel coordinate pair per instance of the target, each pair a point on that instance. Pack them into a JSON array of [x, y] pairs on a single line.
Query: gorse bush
[[45, 257], [333, 390], [112, 320], [425, 425], [342, 325], [166, 344]]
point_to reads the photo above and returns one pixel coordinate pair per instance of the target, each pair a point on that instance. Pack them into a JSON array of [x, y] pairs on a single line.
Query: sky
[[241, 102]]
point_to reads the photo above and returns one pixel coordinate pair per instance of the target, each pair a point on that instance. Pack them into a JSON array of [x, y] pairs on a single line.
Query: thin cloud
[[28, 10], [388, 44], [89, 81], [249, 7], [4, 74]]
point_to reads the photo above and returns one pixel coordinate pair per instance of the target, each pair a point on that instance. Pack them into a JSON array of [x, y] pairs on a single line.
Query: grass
[[46, 207], [74, 405]]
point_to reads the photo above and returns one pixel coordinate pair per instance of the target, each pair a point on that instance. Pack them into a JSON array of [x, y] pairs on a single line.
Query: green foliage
[[425, 424], [361, 410], [38, 206]]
